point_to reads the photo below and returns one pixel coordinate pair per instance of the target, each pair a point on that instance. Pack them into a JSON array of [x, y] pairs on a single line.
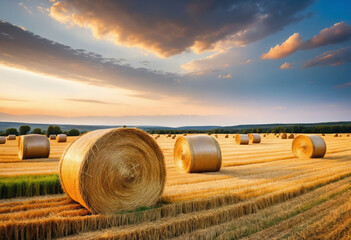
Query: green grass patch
[[29, 185]]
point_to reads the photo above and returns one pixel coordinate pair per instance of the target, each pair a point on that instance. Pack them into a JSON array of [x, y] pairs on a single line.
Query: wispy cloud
[[285, 66], [344, 85], [13, 100], [339, 32], [224, 76], [87, 101], [330, 58], [170, 28]]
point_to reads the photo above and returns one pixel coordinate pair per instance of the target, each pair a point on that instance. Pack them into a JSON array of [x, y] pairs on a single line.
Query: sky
[[175, 63]]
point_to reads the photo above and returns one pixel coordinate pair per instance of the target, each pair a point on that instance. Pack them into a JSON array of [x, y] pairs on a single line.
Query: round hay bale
[[61, 138], [226, 136], [110, 170], [199, 153], [216, 136], [169, 135], [340, 135], [264, 135], [184, 134], [323, 134], [277, 136], [336, 135], [311, 146], [291, 136], [254, 138], [173, 137], [348, 135], [2, 140], [33, 146], [11, 137], [209, 134], [241, 139], [52, 137], [156, 137], [284, 136]]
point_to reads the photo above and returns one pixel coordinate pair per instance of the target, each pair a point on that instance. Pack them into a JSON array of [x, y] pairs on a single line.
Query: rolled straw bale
[[336, 135], [2, 140], [241, 139], [264, 135], [61, 138], [291, 136], [110, 170], [169, 135], [340, 135], [184, 134], [311, 146], [277, 136], [348, 135], [199, 153], [323, 134], [33, 146], [52, 137], [216, 136], [226, 136], [254, 138], [11, 137], [284, 136], [174, 136]]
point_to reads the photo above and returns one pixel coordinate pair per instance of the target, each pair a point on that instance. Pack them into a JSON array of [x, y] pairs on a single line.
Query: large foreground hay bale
[[33, 146], [254, 138], [52, 137], [241, 139], [11, 137], [61, 138], [199, 153], [311, 146], [284, 136], [291, 136], [110, 170], [2, 140]]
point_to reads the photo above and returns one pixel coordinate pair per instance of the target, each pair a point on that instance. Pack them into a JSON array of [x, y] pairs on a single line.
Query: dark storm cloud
[[170, 27]]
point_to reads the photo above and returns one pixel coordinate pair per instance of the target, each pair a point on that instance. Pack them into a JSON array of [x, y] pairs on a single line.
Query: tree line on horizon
[[25, 129], [276, 129]]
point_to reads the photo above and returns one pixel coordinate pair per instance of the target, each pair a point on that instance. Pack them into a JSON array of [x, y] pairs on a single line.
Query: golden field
[[261, 192]]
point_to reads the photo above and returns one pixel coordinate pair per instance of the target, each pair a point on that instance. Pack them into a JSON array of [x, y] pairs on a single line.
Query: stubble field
[[261, 192]]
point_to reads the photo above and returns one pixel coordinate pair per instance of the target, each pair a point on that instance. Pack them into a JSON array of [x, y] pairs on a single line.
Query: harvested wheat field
[[261, 192]]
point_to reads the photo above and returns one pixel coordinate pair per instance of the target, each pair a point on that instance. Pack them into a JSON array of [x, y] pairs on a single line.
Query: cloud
[[286, 48], [339, 32], [169, 28], [345, 85], [26, 51], [330, 58], [13, 100], [224, 76], [279, 108], [285, 66], [87, 101]]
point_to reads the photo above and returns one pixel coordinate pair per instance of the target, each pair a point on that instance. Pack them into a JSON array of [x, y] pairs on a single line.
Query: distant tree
[[124, 126], [11, 131], [73, 132], [36, 131], [53, 130], [23, 130]]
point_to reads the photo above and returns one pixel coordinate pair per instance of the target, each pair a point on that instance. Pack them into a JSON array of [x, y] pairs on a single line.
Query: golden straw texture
[[61, 138], [284, 136], [291, 136], [52, 137], [311, 146], [11, 137], [254, 138], [110, 170], [33, 146], [2, 140], [241, 139], [199, 153]]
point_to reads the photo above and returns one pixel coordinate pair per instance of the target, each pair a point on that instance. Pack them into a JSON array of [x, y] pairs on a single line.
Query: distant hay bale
[[340, 135], [174, 136], [209, 134], [336, 135], [323, 134], [61, 138], [277, 136], [169, 135], [311, 146], [2, 140], [156, 137], [199, 153], [33, 146], [348, 135], [254, 138], [264, 135], [184, 134], [241, 139], [226, 136], [291, 136], [110, 170], [52, 137], [216, 136], [284, 136], [11, 137]]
